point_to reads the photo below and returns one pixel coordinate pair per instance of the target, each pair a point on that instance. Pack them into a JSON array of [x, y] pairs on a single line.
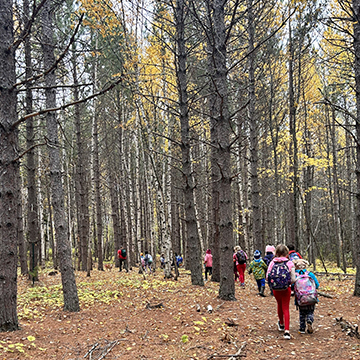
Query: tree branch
[[63, 107], [27, 28], [54, 66]]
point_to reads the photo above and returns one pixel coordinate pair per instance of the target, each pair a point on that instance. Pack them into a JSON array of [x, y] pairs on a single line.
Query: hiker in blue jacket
[[306, 312]]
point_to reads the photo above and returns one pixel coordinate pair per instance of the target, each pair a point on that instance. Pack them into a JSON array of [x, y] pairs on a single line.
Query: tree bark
[[81, 182], [9, 173], [222, 123], [293, 160], [71, 300], [253, 139], [356, 26], [188, 181]]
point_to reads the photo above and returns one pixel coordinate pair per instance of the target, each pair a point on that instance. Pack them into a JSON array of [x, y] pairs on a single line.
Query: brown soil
[[130, 327]]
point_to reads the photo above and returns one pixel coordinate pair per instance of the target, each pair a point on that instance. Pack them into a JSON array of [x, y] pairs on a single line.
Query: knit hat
[[208, 251], [257, 254], [300, 264], [270, 248]]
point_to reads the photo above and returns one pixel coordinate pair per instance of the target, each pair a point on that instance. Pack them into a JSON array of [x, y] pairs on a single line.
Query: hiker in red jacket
[[122, 259]]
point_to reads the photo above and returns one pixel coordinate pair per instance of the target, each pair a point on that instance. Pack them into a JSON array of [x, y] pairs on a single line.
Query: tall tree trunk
[[71, 300], [188, 181], [293, 160], [33, 234], [356, 25], [255, 192], [97, 183], [9, 173], [222, 118], [308, 184], [81, 182], [214, 241], [336, 206]]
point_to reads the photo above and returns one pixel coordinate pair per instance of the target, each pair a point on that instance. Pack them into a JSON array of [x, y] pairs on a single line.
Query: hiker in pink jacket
[[208, 260]]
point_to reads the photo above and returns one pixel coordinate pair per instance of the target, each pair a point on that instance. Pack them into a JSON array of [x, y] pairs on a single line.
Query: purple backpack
[[279, 277], [305, 289]]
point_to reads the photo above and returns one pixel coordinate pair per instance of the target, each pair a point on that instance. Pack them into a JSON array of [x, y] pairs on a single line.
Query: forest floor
[[119, 320]]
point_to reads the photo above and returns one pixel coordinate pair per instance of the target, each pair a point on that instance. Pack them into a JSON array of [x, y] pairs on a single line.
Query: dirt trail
[[132, 327]]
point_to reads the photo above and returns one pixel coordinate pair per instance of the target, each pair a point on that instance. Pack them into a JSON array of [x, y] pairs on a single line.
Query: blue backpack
[[279, 277]]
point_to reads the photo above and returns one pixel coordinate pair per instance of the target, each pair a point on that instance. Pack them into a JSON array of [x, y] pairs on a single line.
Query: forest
[[173, 127]]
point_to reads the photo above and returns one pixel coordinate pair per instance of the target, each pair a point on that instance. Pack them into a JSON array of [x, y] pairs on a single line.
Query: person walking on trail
[[306, 285], [240, 257], [122, 255], [208, 262], [179, 260], [162, 261], [269, 255], [236, 274], [281, 274], [293, 255], [258, 268], [148, 262]]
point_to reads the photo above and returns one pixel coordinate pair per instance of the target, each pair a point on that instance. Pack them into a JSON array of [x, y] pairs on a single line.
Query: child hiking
[[240, 258], [148, 262], [306, 298], [293, 255], [122, 259], [208, 260], [269, 255], [258, 267], [280, 274]]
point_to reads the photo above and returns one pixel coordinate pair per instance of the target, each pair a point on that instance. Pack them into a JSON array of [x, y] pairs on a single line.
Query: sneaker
[[310, 329], [301, 331], [287, 335], [281, 327]]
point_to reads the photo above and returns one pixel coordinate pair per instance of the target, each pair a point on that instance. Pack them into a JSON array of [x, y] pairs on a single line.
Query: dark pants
[[260, 283], [121, 263], [208, 270], [306, 315]]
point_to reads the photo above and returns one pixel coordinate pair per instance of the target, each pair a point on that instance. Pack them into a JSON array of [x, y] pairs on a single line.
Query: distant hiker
[[306, 297], [162, 261], [148, 262], [208, 261], [293, 255], [235, 267], [269, 255], [240, 258], [122, 259], [179, 260], [280, 275], [258, 268], [142, 262]]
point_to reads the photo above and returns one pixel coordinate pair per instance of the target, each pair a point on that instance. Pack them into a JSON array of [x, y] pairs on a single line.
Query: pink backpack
[[305, 289]]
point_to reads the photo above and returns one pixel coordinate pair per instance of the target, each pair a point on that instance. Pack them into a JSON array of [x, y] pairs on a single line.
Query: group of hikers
[[285, 271], [282, 268]]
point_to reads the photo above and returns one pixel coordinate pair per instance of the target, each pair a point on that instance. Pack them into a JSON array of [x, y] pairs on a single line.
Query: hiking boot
[[287, 335], [301, 331], [281, 327], [261, 292], [310, 329]]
